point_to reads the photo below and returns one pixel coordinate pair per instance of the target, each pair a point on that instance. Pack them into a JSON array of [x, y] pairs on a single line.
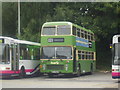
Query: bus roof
[[57, 23], [65, 23], [20, 41]]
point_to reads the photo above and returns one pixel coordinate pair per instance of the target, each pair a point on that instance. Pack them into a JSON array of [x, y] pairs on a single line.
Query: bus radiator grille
[[55, 67]]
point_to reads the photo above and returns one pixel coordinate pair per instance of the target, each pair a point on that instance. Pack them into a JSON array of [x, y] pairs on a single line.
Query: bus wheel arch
[[22, 72]]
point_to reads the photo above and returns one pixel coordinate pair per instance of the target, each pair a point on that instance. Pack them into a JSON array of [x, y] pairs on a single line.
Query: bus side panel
[[85, 65], [29, 65]]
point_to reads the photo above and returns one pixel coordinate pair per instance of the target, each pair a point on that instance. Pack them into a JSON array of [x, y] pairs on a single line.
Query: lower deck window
[[86, 55]]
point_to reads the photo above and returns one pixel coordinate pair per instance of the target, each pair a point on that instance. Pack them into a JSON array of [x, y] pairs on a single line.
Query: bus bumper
[[115, 75], [7, 74]]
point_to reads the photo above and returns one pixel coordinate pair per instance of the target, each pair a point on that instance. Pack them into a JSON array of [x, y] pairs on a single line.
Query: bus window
[[89, 55], [86, 35], [28, 54], [78, 32], [79, 54], [74, 30], [48, 53], [5, 54], [92, 56], [63, 52], [82, 33], [49, 30], [36, 53], [83, 55], [56, 53], [23, 52], [63, 30]]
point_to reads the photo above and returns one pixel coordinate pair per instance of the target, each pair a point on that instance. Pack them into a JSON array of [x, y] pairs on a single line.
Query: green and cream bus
[[67, 48]]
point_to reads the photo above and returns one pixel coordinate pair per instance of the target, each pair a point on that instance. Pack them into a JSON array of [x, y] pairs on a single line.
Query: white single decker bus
[[18, 57], [116, 57]]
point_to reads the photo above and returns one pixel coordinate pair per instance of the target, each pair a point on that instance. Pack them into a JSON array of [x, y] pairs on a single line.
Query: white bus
[[116, 57], [18, 57]]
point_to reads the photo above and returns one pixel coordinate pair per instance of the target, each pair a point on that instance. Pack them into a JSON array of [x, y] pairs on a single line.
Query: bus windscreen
[[117, 54], [56, 53]]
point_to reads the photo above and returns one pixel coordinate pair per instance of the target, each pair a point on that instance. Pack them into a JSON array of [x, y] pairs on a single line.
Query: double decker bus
[[18, 57], [67, 48], [116, 57]]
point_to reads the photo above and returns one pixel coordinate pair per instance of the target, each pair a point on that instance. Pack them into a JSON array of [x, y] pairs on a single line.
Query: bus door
[[15, 57], [74, 61]]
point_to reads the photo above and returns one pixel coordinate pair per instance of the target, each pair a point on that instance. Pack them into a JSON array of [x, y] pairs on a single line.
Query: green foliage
[[9, 19]]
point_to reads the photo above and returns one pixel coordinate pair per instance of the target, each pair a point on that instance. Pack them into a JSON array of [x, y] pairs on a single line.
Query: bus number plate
[[55, 71]]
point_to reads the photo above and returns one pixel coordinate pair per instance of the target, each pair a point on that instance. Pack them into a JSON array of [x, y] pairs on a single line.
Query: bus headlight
[[41, 66]]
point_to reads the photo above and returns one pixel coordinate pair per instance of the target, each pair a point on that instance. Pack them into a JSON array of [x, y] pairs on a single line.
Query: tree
[[9, 19]]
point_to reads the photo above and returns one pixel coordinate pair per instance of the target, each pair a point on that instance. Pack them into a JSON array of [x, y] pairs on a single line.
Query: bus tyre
[[22, 73]]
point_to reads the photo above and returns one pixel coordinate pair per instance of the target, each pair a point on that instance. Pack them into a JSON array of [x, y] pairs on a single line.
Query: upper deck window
[[57, 30], [63, 30], [49, 30]]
